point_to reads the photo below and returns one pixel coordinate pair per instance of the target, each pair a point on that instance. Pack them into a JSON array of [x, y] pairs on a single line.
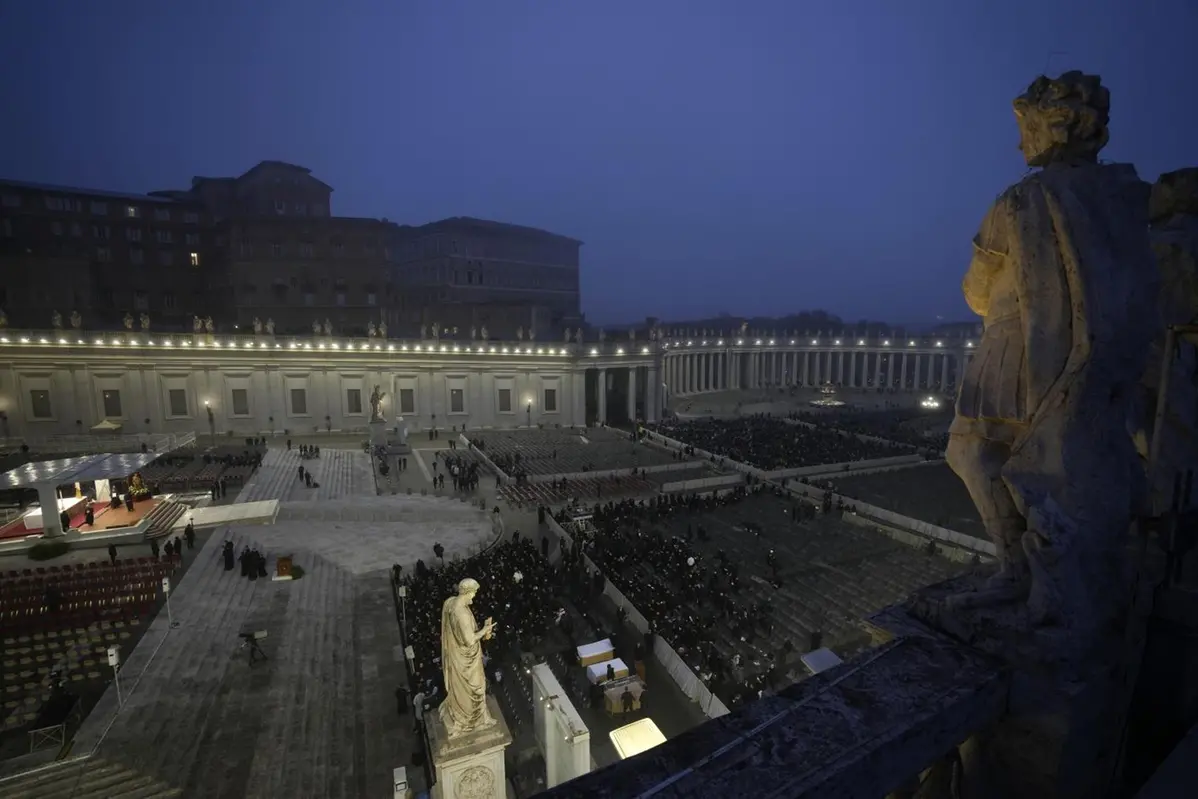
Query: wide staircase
[[339, 473], [88, 778], [163, 518]]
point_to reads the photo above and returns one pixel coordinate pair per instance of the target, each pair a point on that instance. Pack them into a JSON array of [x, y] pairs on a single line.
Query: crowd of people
[[769, 443], [913, 427], [689, 599], [518, 591], [463, 470]]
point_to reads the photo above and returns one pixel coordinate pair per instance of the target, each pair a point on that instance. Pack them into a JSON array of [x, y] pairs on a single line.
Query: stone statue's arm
[[983, 268], [484, 631]]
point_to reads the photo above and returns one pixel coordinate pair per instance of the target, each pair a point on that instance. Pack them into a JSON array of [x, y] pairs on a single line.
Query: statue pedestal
[[471, 766], [378, 433]]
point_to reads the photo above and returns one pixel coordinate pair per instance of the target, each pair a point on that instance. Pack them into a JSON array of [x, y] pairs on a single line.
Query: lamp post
[[529, 412], [211, 422]]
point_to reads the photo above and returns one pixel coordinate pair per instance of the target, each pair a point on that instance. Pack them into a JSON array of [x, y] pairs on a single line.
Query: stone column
[[632, 393], [877, 368], [806, 364], [652, 394], [903, 373], [704, 371], [601, 404], [840, 367], [944, 373], [47, 497]]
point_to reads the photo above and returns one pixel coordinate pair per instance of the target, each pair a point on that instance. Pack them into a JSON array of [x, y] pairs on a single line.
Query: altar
[[33, 519]]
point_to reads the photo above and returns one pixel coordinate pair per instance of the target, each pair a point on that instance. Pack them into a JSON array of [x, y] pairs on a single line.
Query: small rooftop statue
[[257, 325], [486, 334], [76, 320], [520, 333], [56, 320], [145, 322], [128, 321], [371, 332], [270, 326], [208, 326], [382, 329], [328, 327], [197, 324], [316, 327]]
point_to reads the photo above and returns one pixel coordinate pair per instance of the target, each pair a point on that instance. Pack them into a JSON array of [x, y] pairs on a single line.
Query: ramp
[[263, 512]]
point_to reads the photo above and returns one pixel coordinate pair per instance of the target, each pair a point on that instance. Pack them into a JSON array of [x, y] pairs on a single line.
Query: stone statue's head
[[467, 589], [1174, 194], [1063, 120]]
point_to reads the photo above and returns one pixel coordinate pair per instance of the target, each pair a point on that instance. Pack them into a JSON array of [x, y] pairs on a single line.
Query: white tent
[[106, 426]]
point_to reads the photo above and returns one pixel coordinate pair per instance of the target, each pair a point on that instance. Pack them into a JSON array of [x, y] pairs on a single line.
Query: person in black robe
[[251, 562], [261, 565], [229, 557], [169, 549], [244, 560]]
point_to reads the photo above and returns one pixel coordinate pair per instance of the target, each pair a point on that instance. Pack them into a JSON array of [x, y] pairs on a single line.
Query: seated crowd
[[907, 426], [683, 596], [771, 444]]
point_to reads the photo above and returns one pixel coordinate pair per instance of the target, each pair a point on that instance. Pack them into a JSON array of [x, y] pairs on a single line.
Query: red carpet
[[16, 528]]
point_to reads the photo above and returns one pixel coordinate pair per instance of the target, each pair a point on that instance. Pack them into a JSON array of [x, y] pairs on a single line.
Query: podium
[[472, 764], [283, 566]]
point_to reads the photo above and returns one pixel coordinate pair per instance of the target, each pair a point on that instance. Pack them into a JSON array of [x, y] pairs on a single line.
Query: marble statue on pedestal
[[316, 327], [328, 327], [520, 333], [270, 326], [208, 326], [376, 404], [56, 320], [436, 330], [371, 332], [128, 321], [76, 320], [197, 324], [465, 707], [257, 325], [486, 334], [1064, 276], [382, 329]]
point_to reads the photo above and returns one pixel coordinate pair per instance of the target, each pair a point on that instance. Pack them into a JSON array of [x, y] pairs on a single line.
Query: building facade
[[102, 255], [64, 382], [464, 272], [265, 245]]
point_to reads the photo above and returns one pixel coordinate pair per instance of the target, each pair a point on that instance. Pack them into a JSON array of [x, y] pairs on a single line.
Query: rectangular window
[[457, 400], [372, 299], [407, 400], [276, 250], [141, 300], [54, 203], [353, 401], [191, 218], [505, 400], [305, 249], [133, 234], [132, 211], [162, 214], [191, 239], [76, 229], [99, 209], [103, 255], [100, 232], [341, 298], [299, 402], [112, 404], [551, 400], [309, 298], [168, 300], [39, 404], [280, 207], [177, 400], [56, 228], [164, 237], [241, 401], [195, 259]]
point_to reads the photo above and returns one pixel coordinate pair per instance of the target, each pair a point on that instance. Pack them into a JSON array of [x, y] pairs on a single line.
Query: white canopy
[[107, 425]]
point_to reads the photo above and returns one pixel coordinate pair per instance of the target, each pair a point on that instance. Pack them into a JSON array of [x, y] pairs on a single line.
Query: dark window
[[457, 400], [353, 401], [299, 402], [551, 400], [241, 402], [407, 400], [505, 400], [177, 398], [39, 404], [112, 404]]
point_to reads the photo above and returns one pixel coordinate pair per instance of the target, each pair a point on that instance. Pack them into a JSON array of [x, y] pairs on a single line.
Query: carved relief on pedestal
[[476, 782]]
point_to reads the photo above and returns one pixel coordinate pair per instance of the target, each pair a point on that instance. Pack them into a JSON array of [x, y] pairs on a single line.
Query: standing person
[[154, 548], [189, 533], [112, 554]]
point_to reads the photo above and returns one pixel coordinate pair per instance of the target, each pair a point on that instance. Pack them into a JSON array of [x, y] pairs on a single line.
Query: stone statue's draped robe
[[1077, 254], [465, 705]]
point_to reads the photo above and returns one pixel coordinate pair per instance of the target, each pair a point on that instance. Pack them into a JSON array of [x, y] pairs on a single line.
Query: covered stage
[[46, 477]]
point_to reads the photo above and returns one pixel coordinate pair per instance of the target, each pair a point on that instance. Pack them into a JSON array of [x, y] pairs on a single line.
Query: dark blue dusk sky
[[747, 156]]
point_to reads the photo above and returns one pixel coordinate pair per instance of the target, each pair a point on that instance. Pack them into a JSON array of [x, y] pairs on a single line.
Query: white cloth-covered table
[[33, 519], [597, 672], [819, 660], [596, 652]]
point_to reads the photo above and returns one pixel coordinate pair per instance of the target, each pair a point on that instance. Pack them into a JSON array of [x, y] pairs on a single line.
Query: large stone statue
[[316, 327], [328, 327], [486, 334], [270, 326], [128, 321], [145, 322], [257, 325], [371, 332], [376, 404], [76, 320], [382, 329], [520, 333], [566, 336], [1065, 279], [197, 324], [208, 326], [56, 320], [465, 707]]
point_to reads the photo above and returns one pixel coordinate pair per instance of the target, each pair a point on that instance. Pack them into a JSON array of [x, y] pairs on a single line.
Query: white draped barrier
[[686, 679]]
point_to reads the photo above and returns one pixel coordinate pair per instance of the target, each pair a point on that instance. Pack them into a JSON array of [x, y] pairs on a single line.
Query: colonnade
[[639, 387], [903, 369]]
